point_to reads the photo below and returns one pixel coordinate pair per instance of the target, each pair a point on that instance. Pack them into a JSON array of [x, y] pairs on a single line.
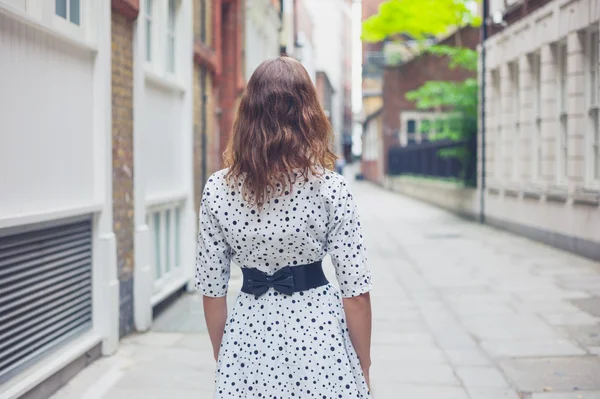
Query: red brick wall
[[122, 161], [232, 82], [398, 80]]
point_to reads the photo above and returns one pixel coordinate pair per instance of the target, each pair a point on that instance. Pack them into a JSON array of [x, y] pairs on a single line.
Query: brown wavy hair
[[280, 134]]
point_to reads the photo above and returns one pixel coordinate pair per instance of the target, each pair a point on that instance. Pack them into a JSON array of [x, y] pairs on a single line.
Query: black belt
[[287, 280]]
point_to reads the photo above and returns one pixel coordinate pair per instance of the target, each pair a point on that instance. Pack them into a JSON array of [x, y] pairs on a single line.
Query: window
[[593, 105], [497, 113], [149, 13], [171, 19], [411, 131], [69, 10], [515, 93], [536, 139], [161, 36], [166, 225], [561, 54], [425, 129]]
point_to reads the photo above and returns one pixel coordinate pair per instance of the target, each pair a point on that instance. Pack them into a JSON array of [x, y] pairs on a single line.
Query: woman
[[277, 211]]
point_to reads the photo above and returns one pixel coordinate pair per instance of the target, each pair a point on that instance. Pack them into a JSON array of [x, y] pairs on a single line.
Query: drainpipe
[[484, 36]]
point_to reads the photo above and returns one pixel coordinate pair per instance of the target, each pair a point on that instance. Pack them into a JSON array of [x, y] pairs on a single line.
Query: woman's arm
[[215, 313], [358, 319]]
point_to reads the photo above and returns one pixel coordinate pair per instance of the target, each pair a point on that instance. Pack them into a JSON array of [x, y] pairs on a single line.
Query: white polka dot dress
[[285, 346]]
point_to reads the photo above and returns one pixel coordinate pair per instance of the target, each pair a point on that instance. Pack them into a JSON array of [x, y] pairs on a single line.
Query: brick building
[[542, 139], [372, 100], [397, 118]]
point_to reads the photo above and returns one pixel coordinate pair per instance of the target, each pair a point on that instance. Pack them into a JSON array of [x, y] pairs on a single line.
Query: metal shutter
[[45, 291]]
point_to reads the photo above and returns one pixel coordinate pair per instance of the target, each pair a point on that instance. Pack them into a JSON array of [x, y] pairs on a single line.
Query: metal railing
[[441, 159]]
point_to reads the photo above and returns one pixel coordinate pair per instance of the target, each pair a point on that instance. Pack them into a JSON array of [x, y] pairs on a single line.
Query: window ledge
[[587, 197], [493, 191], [533, 193], [556, 194], [165, 82], [165, 199], [58, 34], [512, 192]]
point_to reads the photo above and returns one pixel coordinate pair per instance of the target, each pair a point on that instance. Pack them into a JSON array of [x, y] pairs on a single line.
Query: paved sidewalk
[[461, 311]]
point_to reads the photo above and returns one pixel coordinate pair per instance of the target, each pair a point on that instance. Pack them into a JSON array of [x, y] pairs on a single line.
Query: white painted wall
[[163, 156], [46, 113], [55, 148], [327, 37], [162, 140]]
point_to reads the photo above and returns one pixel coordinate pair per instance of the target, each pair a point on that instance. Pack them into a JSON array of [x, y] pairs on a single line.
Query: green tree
[[418, 19]]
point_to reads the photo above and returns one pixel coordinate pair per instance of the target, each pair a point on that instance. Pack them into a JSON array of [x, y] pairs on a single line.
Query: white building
[[165, 218], [330, 19], [58, 271], [263, 26], [64, 293], [542, 124]]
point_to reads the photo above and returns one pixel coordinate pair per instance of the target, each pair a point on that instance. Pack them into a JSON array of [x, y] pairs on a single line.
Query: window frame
[[42, 15], [162, 66], [171, 37], [515, 98], [562, 111], [535, 59], [149, 27], [592, 96], [497, 142]]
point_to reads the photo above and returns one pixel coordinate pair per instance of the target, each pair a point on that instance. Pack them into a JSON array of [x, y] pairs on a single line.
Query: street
[[460, 311]]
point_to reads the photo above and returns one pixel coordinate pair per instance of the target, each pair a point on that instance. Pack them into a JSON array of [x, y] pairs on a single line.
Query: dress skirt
[[281, 347]]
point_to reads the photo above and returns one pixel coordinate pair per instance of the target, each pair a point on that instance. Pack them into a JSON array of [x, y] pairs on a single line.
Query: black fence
[[442, 159]]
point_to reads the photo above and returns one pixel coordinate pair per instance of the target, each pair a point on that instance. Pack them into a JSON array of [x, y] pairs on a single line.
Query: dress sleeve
[[345, 244], [213, 256]]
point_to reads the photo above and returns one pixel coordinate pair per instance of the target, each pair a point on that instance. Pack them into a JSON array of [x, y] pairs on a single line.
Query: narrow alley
[[460, 311]]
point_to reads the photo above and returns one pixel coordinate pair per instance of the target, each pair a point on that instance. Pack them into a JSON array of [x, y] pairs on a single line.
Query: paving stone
[[569, 318], [467, 357], [481, 377], [407, 354], [556, 373], [427, 374], [399, 390], [567, 395], [585, 335], [589, 305], [530, 348], [503, 326], [492, 393]]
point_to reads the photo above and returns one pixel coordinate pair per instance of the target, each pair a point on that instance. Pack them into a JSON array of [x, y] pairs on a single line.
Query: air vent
[[45, 292]]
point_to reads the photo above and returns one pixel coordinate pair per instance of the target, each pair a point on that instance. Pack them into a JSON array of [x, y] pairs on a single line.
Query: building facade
[[542, 133], [114, 114], [370, 116], [332, 24], [59, 276], [262, 33]]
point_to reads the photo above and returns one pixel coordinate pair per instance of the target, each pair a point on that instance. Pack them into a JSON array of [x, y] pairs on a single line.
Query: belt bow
[[281, 281]]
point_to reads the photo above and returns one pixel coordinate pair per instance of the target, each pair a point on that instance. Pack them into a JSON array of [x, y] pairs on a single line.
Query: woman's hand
[[215, 313]]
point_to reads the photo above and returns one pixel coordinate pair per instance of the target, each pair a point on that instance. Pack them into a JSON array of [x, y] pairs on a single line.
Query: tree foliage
[[459, 98], [418, 19]]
